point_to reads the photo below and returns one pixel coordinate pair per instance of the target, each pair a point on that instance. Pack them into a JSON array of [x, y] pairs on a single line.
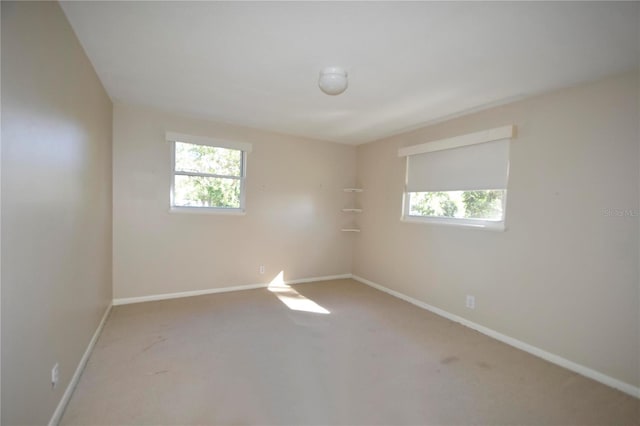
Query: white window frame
[[491, 225], [505, 132], [243, 147]]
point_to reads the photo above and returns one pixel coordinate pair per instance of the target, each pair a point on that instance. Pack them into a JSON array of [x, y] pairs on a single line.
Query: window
[[461, 180], [207, 174]]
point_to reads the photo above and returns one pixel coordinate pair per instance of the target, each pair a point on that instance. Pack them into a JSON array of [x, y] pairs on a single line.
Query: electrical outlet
[[262, 269], [55, 375], [471, 301]]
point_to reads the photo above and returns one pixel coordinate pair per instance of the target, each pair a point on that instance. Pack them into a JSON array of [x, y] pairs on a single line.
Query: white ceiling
[[257, 64]]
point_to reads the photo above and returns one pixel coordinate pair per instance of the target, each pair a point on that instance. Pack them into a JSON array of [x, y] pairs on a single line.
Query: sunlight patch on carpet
[[291, 298]]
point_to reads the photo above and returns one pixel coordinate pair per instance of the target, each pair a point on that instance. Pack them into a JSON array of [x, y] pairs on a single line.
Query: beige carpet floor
[[250, 357]]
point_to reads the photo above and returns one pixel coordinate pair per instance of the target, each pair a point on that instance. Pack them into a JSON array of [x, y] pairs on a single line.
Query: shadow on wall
[[294, 300]]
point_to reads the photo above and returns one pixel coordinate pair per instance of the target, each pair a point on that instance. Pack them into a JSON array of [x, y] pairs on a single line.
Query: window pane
[[198, 191], [482, 204], [208, 159]]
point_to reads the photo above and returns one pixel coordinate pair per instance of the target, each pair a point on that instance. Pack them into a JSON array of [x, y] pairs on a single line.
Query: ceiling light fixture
[[333, 80]]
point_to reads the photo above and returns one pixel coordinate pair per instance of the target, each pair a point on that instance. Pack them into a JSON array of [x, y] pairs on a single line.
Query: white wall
[[294, 200], [56, 207], [564, 276]]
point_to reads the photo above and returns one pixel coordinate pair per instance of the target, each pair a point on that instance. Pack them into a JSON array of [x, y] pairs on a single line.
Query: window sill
[[461, 223], [207, 210]]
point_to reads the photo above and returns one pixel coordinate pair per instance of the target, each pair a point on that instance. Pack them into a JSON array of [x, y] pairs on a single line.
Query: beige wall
[[294, 200], [56, 207], [564, 276]]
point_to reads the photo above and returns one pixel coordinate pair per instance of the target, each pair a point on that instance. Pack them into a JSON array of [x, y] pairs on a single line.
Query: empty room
[[320, 213]]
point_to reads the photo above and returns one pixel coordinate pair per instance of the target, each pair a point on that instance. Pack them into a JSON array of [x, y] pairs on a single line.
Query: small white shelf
[[353, 227]]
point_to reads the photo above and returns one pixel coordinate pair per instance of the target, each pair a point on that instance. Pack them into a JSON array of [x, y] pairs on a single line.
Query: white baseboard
[[153, 297], [57, 415], [555, 359]]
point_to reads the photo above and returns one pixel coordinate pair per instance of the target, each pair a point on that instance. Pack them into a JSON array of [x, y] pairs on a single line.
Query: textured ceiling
[[409, 63]]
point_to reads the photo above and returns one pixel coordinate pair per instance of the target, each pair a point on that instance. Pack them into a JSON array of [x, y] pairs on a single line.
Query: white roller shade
[[479, 166]]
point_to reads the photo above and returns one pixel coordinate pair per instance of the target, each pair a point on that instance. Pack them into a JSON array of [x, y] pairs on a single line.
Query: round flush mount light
[[333, 80]]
